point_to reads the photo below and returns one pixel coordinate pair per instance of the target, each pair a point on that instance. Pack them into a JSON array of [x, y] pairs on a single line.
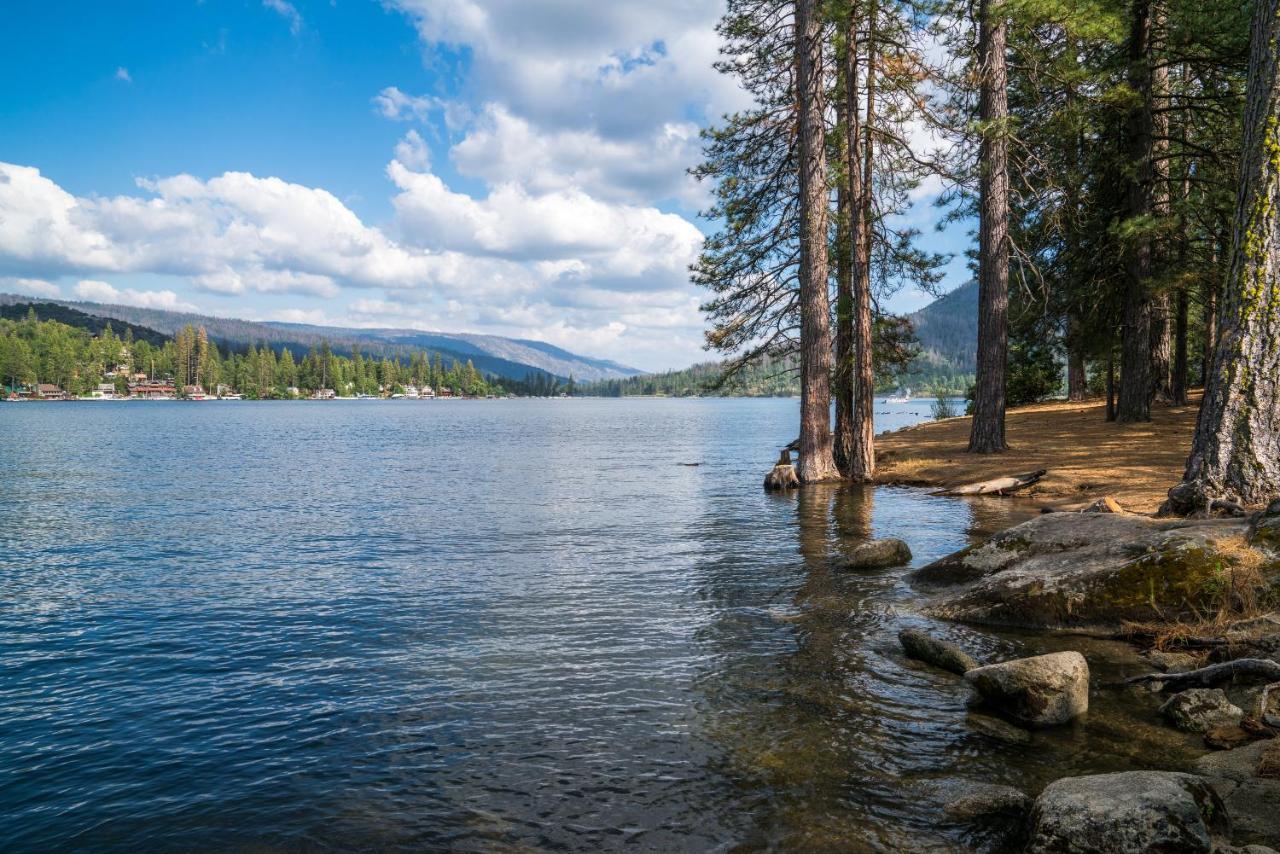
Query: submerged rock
[[939, 653], [1226, 738], [1253, 802], [1045, 690], [987, 801], [1093, 569], [1130, 811], [1201, 709], [878, 554], [993, 727]]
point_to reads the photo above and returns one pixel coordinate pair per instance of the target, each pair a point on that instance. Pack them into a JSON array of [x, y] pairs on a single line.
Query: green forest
[[78, 361]]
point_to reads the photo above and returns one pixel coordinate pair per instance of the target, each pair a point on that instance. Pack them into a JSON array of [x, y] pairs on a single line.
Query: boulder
[[1253, 802], [939, 653], [1243, 849], [1088, 569], [878, 554], [1138, 811], [1045, 690], [1201, 709]]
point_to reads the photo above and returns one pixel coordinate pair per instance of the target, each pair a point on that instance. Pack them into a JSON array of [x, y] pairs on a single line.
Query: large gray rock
[[1087, 569], [1264, 531], [1201, 709], [1045, 690], [1135, 811], [878, 554], [1253, 802]]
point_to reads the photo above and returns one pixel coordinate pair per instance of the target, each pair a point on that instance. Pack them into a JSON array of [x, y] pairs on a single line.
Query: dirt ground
[[1087, 457]]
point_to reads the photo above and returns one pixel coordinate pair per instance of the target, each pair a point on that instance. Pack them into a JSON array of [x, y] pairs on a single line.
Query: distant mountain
[[491, 354], [948, 329]]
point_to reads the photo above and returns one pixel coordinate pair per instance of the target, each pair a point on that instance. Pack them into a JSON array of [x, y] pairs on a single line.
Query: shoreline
[[1086, 456]]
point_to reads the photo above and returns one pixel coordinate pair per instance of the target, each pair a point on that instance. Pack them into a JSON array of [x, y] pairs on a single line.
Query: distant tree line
[[33, 351]]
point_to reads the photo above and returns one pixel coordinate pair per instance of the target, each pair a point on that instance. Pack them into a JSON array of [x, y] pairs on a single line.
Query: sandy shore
[[1086, 457]]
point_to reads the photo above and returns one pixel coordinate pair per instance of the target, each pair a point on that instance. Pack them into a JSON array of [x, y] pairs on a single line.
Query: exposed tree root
[[1260, 669]]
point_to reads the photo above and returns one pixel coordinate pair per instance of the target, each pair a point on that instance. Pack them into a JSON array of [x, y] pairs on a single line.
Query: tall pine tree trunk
[[1161, 310], [1077, 382], [848, 238], [816, 460], [987, 433], [1136, 380], [1236, 450], [862, 460]]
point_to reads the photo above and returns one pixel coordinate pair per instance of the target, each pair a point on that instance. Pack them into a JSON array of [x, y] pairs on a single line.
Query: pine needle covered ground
[[1087, 457]]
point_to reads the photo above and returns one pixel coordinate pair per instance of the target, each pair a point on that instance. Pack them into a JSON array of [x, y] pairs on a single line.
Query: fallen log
[[997, 486], [1261, 669]]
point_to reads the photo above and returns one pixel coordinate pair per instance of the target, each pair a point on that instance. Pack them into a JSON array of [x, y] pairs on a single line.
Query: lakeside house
[[324, 394], [49, 391], [146, 389], [427, 392]]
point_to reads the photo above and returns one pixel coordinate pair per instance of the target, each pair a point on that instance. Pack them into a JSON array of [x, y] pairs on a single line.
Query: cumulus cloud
[[93, 290], [588, 238], [122, 73], [412, 151], [286, 10], [30, 287]]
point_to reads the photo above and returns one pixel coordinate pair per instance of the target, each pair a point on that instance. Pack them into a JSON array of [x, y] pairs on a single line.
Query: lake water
[[479, 626]]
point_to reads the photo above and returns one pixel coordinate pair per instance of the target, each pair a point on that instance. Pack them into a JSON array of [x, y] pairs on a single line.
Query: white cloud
[[287, 11], [30, 287], [504, 148], [104, 292], [122, 73], [398, 106], [590, 239], [412, 151]]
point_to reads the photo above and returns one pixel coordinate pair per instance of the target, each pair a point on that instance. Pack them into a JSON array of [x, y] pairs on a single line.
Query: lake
[[481, 626]]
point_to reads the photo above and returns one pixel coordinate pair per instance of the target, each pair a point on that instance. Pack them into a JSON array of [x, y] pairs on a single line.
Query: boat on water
[[904, 396], [231, 397]]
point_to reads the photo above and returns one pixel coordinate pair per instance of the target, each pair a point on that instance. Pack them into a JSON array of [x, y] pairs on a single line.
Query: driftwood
[[997, 486], [1214, 674]]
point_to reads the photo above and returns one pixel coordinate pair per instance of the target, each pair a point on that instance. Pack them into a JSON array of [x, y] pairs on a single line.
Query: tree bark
[[1077, 381], [842, 376], [1182, 309], [1162, 315], [816, 460], [1136, 381], [987, 432], [1235, 454], [851, 272], [862, 459]]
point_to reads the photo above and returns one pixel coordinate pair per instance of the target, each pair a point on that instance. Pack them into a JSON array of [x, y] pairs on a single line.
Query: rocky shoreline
[[1193, 594]]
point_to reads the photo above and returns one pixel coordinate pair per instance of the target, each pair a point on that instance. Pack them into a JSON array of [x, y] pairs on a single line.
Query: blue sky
[[505, 166]]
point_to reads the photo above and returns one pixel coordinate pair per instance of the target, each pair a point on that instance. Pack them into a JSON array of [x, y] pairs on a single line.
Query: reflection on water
[[844, 744], [493, 626]]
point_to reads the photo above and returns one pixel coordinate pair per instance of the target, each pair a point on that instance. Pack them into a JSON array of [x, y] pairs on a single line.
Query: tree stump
[[783, 475]]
